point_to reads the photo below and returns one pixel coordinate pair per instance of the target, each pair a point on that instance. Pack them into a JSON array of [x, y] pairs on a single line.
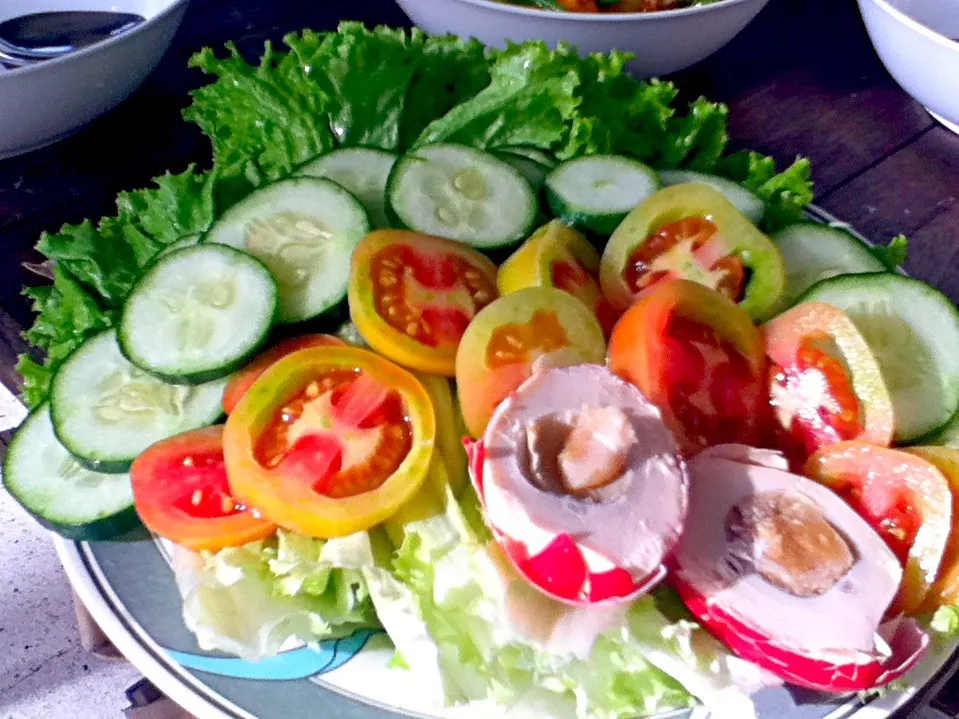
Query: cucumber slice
[[182, 243], [106, 411], [598, 191], [198, 314], [304, 229], [533, 170], [913, 329], [532, 153], [747, 202], [350, 333], [814, 252], [947, 436], [462, 194], [363, 171], [58, 491]]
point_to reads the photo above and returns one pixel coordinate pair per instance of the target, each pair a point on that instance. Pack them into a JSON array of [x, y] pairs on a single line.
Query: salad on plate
[[500, 352]]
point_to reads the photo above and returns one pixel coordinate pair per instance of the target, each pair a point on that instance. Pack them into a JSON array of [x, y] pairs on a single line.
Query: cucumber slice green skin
[[946, 436], [746, 201], [533, 153], [58, 492], [198, 314], [913, 329], [362, 171], [596, 192], [304, 229], [181, 244], [814, 252], [462, 194], [106, 411], [534, 171]]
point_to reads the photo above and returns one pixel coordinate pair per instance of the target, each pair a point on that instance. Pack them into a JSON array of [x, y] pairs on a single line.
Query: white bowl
[[43, 103], [912, 38], [664, 41]]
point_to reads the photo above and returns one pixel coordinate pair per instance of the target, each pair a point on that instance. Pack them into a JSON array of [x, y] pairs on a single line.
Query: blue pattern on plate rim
[[300, 663]]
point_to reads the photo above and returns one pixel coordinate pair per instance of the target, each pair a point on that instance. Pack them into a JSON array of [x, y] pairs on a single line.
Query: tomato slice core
[[429, 296], [519, 342], [815, 401], [709, 382], [201, 486], [692, 248], [344, 434], [241, 382]]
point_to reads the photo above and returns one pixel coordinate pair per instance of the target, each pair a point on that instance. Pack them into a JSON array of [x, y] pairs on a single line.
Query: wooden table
[[802, 79]]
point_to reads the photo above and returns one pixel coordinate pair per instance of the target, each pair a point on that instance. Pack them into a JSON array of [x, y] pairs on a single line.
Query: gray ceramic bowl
[[42, 103], [914, 40], [663, 41]]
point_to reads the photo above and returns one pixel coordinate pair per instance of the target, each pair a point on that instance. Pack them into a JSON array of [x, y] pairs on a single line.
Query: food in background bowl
[[704, 27], [609, 6]]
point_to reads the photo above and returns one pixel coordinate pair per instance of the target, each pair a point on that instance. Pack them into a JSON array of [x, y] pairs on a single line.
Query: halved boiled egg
[[789, 576], [582, 484]]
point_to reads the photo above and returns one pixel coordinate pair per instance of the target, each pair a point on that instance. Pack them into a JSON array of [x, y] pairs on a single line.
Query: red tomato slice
[[412, 296], [904, 497], [825, 384], [699, 358], [945, 591], [241, 382], [505, 341], [181, 492]]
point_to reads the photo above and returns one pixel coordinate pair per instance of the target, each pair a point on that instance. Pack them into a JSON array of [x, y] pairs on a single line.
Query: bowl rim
[[511, 9], [97, 47], [914, 24]]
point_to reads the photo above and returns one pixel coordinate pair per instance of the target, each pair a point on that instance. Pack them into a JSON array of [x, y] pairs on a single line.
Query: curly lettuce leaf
[[266, 119], [894, 254], [176, 206], [451, 71], [696, 140], [530, 100], [95, 266], [256, 600], [67, 314], [618, 113], [375, 78], [376, 87], [786, 193], [98, 257]]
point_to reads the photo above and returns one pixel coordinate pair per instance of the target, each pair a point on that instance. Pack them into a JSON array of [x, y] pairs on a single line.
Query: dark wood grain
[[915, 190]]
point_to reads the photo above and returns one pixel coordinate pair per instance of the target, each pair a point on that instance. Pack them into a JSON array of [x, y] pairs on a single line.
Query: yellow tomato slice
[[330, 441], [558, 256], [505, 341], [449, 441], [412, 296]]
